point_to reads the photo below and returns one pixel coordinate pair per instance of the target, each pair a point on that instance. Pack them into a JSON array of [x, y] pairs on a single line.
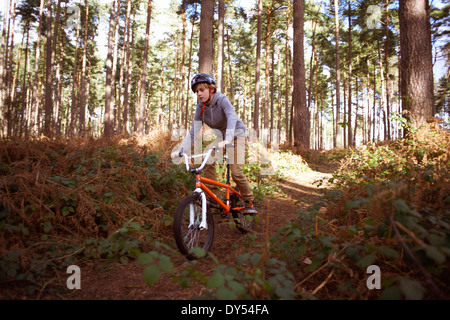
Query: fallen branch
[[323, 283]]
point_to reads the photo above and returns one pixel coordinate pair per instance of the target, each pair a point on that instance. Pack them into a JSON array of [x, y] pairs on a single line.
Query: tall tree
[[49, 70], [416, 61], [269, 11], [35, 99], [258, 69], [109, 114], [83, 92], [301, 113], [220, 45], [75, 82], [206, 54], [350, 57], [338, 137], [3, 51], [144, 70], [57, 97], [127, 76], [386, 63]]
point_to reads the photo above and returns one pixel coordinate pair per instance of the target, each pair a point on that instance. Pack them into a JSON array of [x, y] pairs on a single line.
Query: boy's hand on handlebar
[[175, 154], [222, 144]]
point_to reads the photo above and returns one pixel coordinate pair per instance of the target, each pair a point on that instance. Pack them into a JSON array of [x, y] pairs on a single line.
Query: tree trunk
[[144, 71], [220, 46], [350, 57], [206, 54], [35, 102], [383, 90], [258, 70], [114, 99], [10, 87], [416, 61], [108, 120], [183, 54], [386, 62], [272, 90], [82, 97], [301, 114], [231, 96], [49, 73], [24, 89], [127, 76], [55, 41], [338, 77], [189, 71], [267, 70], [279, 93], [288, 68], [3, 52]]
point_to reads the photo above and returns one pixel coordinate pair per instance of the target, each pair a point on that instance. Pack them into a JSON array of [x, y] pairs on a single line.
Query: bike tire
[[187, 237], [244, 222]]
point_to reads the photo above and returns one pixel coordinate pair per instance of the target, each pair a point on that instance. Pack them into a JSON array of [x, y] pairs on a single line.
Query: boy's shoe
[[250, 207]]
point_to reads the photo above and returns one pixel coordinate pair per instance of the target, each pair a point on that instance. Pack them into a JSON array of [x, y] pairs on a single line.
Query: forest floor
[[125, 282]]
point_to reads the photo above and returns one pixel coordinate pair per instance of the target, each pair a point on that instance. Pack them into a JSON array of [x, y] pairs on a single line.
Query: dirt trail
[[126, 282]]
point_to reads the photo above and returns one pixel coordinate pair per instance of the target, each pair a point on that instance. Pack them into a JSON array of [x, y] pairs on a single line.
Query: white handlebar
[[187, 158], [207, 155]]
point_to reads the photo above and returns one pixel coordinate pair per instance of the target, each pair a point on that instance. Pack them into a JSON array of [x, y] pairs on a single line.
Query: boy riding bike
[[215, 110]]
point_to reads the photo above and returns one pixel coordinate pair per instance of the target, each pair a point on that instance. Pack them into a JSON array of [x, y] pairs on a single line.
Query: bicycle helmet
[[201, 78]]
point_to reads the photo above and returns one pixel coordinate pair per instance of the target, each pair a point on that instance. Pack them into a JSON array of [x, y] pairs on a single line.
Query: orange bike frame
[[200, 183]]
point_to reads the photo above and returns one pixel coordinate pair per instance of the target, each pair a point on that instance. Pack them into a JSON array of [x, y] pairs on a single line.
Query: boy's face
[[202, 92]]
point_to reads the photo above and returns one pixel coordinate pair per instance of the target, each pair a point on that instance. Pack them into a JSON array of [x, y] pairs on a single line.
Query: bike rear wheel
[[189, 236], [244, 222]]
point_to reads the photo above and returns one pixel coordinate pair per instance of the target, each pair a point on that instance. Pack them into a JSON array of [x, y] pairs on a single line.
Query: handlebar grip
[[230, 145]]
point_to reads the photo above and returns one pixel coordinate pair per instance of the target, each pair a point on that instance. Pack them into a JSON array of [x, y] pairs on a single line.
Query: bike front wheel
[[186, 226]]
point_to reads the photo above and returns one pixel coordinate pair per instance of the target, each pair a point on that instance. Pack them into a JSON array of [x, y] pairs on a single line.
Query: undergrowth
[[390, 207], [69, 201], [75, 201], [78, 201], [388, 210]]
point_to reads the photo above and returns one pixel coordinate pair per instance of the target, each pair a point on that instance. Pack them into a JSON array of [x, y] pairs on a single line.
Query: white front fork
[[203, 224]]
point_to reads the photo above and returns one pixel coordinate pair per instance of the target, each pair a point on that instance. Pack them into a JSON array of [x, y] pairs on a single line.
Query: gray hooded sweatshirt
[[219, 115]]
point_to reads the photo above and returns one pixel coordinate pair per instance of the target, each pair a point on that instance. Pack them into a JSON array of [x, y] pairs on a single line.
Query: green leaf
[[166, 264], [435, 254], [237, 287], [144, 258], [135, 226], [400, 206], [242, 258], [198, 252], [216, 281], [356, 203], [388, 252], [255, 259], [391, 293], [412, 290], [226, 294], [151, 275], [285, 293], [366, 261], [47, 227], [67, 210]]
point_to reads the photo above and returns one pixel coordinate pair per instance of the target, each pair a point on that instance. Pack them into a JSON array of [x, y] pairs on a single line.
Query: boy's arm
[[232, 118]]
